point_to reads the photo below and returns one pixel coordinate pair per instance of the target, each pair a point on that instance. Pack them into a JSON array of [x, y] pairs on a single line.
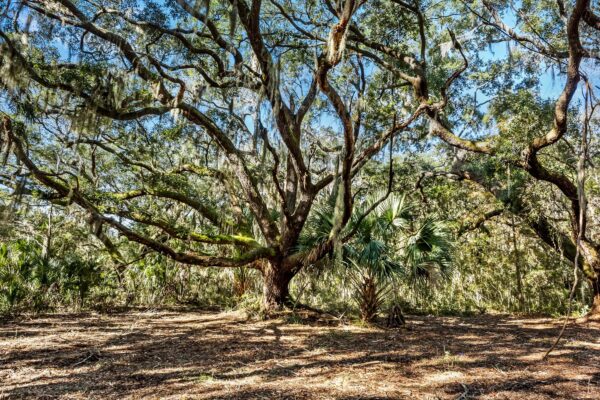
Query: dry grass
[[168, 354]]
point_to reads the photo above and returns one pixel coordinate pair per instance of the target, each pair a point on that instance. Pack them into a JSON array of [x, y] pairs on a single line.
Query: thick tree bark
[[276, 280], [591, 270], [594, 313]]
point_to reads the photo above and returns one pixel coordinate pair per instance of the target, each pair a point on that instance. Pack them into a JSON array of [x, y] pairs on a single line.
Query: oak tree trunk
[[595, 310], [276, 281]]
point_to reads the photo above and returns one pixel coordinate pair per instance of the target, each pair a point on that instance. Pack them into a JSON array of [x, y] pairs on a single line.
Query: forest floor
[[209, 355]]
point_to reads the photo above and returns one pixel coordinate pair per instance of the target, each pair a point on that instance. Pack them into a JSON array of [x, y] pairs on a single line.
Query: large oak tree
[[208, 131]]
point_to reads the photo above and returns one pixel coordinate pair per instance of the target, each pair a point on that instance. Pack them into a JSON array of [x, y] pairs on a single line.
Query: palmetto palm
[[426, 253], [372, 247], [383, 246], [370, 252]]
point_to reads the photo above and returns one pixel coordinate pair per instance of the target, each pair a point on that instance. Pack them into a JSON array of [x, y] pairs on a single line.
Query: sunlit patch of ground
[[202, 355]]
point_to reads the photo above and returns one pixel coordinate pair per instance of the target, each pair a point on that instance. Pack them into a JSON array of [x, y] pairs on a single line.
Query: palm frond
[[428, 251]]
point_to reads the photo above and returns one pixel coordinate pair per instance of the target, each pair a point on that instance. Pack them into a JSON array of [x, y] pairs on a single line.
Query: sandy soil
[[202, 355]]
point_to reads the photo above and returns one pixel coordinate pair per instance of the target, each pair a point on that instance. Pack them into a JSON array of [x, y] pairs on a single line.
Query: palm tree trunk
[[369, 297]]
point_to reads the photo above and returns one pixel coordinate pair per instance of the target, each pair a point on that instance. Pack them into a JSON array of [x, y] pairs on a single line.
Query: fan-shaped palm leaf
[[428, 251]]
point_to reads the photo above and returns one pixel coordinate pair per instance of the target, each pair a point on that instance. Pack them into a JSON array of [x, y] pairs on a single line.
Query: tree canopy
[[212, 132]]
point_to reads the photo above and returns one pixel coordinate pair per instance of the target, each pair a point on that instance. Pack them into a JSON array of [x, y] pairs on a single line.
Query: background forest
[[344, 155], [51, 261]]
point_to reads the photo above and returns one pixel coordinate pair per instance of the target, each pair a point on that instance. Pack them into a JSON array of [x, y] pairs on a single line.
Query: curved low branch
[[77, 197]]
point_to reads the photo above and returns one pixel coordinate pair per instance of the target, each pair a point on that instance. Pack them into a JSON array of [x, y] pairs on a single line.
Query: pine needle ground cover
[[202, 355]]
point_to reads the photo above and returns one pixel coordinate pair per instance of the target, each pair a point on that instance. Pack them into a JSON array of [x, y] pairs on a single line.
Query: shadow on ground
[[215, 356]]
